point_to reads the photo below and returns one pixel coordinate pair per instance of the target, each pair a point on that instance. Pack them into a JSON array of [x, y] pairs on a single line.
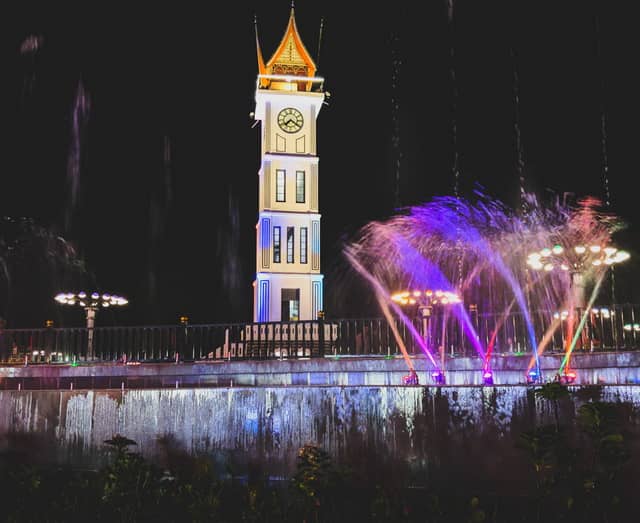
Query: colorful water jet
[[481, 251]]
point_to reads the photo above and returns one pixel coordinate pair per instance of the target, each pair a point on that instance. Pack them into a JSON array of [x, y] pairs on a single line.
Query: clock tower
[[288, 284]]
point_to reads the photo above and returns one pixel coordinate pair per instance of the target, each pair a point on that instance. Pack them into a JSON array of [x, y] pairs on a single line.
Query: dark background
[[166, 178]]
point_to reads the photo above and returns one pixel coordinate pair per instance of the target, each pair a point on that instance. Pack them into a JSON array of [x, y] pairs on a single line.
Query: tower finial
[[319, 42], [261, 67]]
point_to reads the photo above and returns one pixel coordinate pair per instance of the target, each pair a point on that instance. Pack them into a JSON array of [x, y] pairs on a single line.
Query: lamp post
[[579, 261], [184, 343], [90, 302], [426, 301]]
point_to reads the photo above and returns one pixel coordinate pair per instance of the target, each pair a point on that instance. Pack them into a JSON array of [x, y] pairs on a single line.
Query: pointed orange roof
[[291, 57]]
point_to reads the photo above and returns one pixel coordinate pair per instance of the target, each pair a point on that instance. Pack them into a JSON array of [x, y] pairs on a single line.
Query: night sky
[[127, 133]]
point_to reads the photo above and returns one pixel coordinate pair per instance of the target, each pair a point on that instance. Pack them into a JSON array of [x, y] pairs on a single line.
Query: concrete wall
[[452, 433], [592, 368], [258, 414]]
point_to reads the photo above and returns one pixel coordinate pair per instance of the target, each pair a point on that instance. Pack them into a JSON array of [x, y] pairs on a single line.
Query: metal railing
[[611, 329], [122, 382]]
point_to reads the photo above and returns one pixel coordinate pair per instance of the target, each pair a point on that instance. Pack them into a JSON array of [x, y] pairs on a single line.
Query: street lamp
[[426, 300], [427, 297], [578, 260], [90, 302]]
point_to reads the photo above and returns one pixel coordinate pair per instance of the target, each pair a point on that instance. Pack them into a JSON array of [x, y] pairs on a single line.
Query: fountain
[[498, 261]]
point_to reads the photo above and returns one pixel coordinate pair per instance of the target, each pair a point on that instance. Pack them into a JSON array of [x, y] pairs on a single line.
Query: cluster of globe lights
[[426, 298], [575, 258], [93, 300], [603, 313]]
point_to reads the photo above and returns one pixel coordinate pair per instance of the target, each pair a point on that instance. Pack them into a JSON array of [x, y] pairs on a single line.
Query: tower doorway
[[290, 305]]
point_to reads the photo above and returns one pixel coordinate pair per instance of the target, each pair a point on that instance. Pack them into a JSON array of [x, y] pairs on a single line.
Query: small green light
[[74, 364]]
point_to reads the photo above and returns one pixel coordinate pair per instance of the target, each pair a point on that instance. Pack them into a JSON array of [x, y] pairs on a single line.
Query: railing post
[[183, 345], [321, 334]]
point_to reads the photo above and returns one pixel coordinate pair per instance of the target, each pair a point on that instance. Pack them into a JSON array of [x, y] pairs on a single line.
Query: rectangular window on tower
[[300, 187], [276, 245], [303, 245], [289, 244], [281, 184]]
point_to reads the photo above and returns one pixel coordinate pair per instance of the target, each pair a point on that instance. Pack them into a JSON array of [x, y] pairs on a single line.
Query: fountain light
[[566, 378], [635, 327], [533, 377], [411, 378], [90, 302], [438, 377]]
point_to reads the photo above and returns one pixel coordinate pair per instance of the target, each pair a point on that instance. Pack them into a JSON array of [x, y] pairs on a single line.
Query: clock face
[[290, 120]]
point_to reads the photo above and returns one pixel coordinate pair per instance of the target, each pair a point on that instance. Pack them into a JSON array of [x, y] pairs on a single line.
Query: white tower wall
[[289, 284]]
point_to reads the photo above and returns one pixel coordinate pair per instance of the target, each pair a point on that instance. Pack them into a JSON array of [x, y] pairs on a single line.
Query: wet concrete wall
[[592, 368], [449, 434]]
